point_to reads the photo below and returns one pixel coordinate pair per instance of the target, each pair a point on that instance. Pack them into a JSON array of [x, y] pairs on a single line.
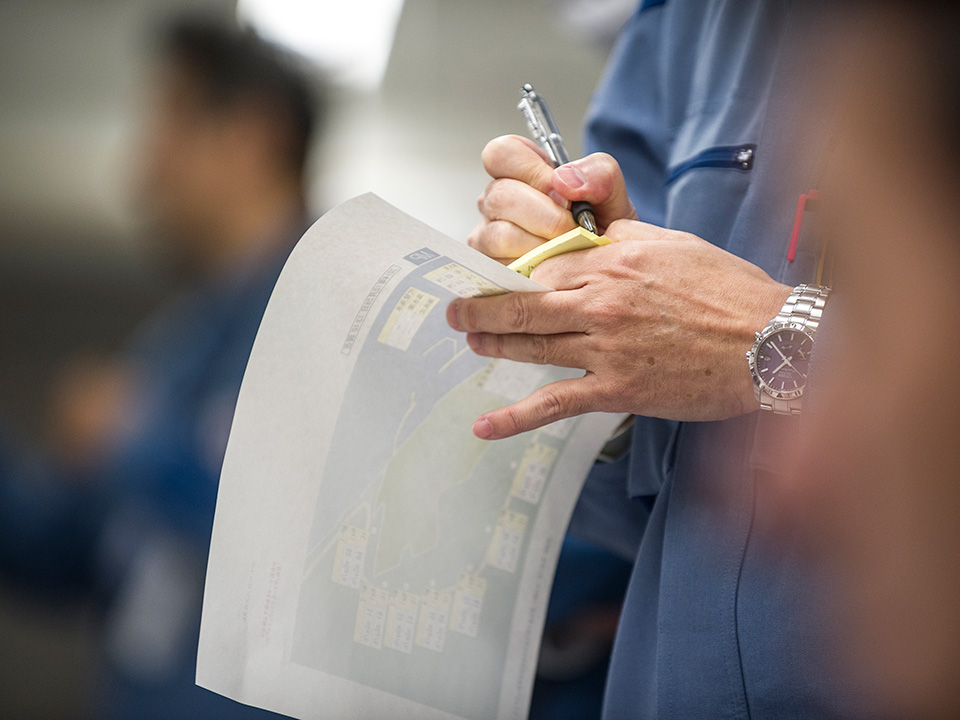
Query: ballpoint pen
[[547, 136]]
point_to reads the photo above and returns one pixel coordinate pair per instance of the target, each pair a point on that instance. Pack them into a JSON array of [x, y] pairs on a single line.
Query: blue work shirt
[[723, 618]]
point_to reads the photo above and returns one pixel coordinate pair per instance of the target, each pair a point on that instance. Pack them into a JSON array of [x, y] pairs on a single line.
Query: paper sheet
[[370, 557]]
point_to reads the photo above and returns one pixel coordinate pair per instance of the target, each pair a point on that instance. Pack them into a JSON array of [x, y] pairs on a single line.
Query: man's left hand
[[660, 320]]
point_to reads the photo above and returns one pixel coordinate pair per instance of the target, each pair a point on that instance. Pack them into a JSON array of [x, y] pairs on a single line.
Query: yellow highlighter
[[577, 239]]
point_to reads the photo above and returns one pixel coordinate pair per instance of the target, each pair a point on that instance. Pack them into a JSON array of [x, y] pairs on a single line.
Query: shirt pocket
[[724, 157], [706, 189]]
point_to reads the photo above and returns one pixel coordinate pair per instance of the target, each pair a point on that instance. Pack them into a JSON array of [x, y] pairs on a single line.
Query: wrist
[[765, 304]]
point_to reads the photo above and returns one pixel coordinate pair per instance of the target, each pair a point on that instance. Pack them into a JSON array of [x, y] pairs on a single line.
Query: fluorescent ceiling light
[[350, 39]]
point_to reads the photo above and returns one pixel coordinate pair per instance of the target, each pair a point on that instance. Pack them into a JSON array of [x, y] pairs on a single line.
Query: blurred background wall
[[75, 272]]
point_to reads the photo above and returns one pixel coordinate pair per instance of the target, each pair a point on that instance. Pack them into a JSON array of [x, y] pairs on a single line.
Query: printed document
[[371, 558]]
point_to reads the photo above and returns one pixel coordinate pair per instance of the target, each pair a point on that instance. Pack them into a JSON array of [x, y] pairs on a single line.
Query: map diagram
[[415, 554]]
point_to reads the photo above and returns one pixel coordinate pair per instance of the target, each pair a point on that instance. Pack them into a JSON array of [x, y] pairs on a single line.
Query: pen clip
[[542, 126], [544, 130]]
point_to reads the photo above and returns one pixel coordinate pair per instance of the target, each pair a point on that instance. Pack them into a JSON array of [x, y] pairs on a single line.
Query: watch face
[[782, 360]]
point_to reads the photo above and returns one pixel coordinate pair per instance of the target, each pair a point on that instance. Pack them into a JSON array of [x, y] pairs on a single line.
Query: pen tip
[[587, 220]]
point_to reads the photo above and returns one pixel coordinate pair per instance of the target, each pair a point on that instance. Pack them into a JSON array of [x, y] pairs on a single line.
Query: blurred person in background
[[877, 487], [124, 508]]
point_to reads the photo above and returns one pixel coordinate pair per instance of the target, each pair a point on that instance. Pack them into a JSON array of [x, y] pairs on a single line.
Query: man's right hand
[[528, 201], [660, 320]]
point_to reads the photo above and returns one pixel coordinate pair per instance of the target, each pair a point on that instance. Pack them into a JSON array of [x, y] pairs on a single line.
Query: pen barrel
[[557, 150]]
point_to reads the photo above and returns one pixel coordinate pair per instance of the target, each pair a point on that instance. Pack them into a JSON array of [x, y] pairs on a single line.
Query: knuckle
[[475, 239], [632, 257], [495, 199], [614, 398], [618, 228], [490, 152], [487, 237], [603, 312], [519, 312], [554, 406], [494, 238], [539, 350], [607, 165], [495, 151], [594, 346], [513, 419], [468, 315], [500, 238], [560, 223], [602, 171]]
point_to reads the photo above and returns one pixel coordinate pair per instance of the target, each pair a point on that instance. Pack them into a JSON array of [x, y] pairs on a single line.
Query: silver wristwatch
[[780, 357]]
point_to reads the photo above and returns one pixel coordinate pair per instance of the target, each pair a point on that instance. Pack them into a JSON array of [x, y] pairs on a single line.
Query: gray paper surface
[[371, 558]]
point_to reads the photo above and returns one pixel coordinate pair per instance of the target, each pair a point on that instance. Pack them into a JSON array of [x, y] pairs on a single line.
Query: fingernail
[[483, 429], [453, 315], [559, 199], [571, 176], [475, 341]]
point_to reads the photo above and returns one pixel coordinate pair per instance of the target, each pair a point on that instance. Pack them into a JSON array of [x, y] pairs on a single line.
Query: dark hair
[[235, 66]]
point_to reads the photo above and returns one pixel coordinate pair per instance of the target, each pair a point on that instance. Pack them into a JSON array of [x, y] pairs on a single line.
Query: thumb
[[598, 180]]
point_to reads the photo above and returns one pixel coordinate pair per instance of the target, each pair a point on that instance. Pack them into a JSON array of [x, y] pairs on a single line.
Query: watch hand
[[786, 360]]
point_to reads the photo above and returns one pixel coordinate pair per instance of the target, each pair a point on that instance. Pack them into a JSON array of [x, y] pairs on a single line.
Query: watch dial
[[782, 361]]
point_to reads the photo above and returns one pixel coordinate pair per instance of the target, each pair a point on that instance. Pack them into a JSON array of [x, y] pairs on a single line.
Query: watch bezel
[[761, 338]]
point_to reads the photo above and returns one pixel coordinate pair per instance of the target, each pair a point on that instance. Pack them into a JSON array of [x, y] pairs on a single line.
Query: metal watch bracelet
[[804, 306]]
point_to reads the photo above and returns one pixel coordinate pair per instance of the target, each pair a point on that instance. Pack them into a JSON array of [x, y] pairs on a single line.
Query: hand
[[660, 321], [528, 201]]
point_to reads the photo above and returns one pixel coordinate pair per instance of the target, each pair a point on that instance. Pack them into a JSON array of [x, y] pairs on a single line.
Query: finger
[[566, 350], [538, 313], [502, 240], [512, 156], [523, 205], [550, 403], [598, 180]]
